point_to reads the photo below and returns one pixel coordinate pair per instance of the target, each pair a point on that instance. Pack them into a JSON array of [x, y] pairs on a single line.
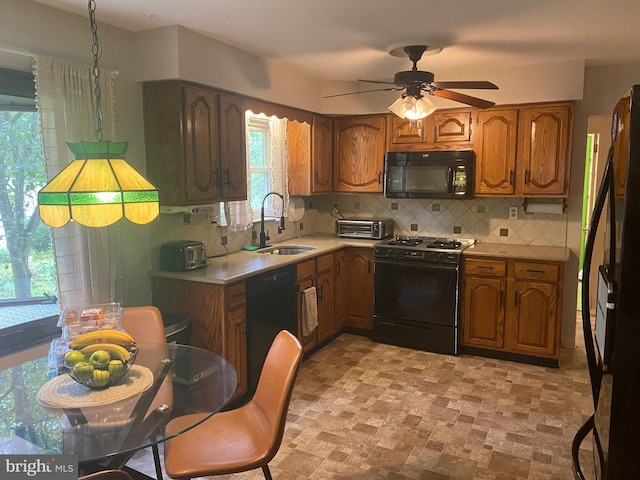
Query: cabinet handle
[[515, 300], [484, 267], [368, 267], [338, 268], [527, 176], [501, 298], [316, 177], [379, 178], [320, 295], [535, 271], [510, 177], [227, 173], [216, 180]]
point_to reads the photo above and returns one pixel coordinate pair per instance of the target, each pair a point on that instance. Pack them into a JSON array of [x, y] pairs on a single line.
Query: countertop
[[526, 252], [238, 266]]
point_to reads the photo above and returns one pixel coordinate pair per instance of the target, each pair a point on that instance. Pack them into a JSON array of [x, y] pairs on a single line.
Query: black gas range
[[417, 290], [428, 249]]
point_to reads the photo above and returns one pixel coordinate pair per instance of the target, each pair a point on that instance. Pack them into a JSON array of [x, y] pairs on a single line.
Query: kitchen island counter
[[525, 252], [242, 264]]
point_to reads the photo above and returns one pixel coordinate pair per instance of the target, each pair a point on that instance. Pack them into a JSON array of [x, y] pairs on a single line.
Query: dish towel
[[309, 311]]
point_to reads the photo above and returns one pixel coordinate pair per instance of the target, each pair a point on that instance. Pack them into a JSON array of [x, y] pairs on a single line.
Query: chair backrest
[[144, 324], [276, 382], [107, 475]]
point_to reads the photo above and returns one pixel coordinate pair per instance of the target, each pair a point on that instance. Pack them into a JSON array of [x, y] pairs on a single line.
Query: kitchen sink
[[286, 250]]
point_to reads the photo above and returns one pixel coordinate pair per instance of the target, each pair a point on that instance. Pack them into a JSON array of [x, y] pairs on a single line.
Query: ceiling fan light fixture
[[412, 107]]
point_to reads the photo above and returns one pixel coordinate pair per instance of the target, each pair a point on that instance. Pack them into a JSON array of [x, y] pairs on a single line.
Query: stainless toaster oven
[[182, 255], [373, 229]]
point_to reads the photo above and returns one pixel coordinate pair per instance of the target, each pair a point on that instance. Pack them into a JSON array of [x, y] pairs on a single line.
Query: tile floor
[[363, 410]]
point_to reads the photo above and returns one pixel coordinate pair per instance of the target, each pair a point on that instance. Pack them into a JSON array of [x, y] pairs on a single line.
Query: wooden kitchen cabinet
[[544, 150], [195, 143], [496, 147], [233, 145], [341, 291], [360, 288], [513, 306], [325, 285], [359, 147], [406, 135], [443, 130], [524, 151], [217, 314], [484, 309], [319, 273], [621, 120], [451, 128], [310, 156]]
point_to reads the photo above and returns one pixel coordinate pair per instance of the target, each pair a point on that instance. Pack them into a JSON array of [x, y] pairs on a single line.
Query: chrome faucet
[[263, 236]]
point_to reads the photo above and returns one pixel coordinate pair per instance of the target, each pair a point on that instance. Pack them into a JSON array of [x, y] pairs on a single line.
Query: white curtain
[[85, 264], [239, 215]]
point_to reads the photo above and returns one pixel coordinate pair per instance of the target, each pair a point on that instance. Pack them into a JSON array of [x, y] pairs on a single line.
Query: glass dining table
[[41, 414]]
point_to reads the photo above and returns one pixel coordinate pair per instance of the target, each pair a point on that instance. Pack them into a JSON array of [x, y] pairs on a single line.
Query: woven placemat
[[64, 392]]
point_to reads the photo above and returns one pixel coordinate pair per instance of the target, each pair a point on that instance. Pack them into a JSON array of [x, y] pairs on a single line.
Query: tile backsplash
[[485, 219]]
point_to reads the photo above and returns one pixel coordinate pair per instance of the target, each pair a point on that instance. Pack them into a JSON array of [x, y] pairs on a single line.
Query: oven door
[[416, 292], [416, 305]]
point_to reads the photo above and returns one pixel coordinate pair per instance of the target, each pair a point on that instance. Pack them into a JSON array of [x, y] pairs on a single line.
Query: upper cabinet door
[[359, 146], [453, 127], [621, 120], [403, 134], [194, 143], [496, 146], [233, 159], [321, 154], [201, 144], [544, 150]]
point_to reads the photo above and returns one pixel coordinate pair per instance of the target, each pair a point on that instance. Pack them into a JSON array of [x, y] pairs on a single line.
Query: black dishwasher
[[271, 307]]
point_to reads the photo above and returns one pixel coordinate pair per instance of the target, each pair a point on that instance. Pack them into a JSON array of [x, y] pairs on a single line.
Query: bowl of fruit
[[100, 358]]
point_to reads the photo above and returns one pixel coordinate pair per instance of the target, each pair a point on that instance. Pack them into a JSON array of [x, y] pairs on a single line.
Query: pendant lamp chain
[[97, 53]]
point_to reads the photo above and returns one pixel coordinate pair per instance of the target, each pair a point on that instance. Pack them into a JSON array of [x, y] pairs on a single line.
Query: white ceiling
[[347, 39]]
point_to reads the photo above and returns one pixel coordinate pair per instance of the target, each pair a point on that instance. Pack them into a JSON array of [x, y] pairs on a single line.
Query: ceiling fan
[[413, 104]]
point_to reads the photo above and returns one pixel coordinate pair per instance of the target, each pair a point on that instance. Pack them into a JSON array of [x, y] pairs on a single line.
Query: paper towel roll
[[554, 208]]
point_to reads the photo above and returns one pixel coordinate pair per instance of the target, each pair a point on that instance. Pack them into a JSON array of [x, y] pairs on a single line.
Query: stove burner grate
[[406, 242]]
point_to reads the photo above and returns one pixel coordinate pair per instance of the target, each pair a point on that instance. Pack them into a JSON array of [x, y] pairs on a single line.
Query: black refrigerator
[[613, 343]]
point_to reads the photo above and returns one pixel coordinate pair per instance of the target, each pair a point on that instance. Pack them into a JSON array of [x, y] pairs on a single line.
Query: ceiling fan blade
[[462, 98], [470, 85], [385, 82], [363, 91]]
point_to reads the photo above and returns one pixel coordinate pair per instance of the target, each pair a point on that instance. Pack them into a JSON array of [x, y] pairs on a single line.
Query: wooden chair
[[245, 438], [107, 475]]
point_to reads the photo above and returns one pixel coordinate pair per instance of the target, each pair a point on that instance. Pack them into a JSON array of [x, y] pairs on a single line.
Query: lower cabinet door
[[484, 312], [532, 329]]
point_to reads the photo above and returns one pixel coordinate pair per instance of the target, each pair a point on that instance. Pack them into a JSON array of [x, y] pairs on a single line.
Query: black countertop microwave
[[433, 174]]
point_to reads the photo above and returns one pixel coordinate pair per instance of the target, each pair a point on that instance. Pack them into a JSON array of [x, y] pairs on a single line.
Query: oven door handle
[[417, 264]]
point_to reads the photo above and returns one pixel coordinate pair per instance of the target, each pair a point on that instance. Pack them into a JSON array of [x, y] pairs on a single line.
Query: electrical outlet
[[513, 213]]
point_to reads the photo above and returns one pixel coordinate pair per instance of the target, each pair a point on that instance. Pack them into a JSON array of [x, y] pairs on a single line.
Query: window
[[28, 288], [266, 163]]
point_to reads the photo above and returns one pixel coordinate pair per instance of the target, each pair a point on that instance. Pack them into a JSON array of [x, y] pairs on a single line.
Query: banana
[[113, 349], [102, 336]]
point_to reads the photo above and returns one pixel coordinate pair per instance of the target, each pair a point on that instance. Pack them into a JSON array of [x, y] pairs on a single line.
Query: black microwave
[[433, 174]]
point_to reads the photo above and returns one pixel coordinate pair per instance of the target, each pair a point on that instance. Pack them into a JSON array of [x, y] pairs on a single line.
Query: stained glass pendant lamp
[[99, 187]]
